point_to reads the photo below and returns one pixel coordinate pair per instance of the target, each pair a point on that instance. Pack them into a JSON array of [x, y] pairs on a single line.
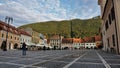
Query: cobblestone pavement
[[59, 59]]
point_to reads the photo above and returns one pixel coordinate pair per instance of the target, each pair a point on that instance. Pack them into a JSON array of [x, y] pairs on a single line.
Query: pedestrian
[[44, 48], [24, 49]]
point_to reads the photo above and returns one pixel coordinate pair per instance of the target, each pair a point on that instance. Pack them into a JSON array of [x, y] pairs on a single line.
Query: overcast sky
[[29, 11]]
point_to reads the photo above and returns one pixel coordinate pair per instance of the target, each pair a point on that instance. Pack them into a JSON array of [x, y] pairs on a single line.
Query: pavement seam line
[[103, 61], [50, 59], [68, 65], [88, 63], [17, 64], [12, 63]]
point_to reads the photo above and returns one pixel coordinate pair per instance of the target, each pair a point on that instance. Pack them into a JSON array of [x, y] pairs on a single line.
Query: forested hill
[[80, 28]]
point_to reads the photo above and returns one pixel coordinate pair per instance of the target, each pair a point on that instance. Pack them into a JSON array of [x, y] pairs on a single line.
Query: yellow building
[[13, 40], [34, 34]]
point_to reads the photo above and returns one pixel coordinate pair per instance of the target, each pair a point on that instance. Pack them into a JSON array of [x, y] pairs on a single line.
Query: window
[[106, 25], [20, 39], [11, 37], [5, 27], [15, 38], [113, 13], [113, 40], [108, 42], [109, 19], [2, 35]]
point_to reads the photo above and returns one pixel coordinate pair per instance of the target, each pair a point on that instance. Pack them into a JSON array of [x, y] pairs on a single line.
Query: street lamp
[[71, 33], [7, 20], [71, 29]]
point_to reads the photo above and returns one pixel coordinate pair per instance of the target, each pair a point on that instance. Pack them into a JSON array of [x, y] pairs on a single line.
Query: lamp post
[[71, 29], [7, 20], [71, 33]]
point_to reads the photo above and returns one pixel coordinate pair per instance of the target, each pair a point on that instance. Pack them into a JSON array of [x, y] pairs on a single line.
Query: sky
[[30, 11]]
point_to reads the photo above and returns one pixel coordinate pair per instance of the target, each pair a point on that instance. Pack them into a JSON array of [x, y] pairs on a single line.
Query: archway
[[15, 46], [10, 46], [3, 45]]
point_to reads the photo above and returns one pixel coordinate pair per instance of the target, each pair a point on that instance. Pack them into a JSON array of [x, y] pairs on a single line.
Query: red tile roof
[[24, 32], [12, 29], [9, 28], [88, 39], [55, 37], [67, 40], [92, 39], [77, 40], [98, 38]]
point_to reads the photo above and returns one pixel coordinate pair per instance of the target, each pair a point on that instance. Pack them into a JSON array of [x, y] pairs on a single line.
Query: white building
[[55, 41], [25, 37], [90, 45]]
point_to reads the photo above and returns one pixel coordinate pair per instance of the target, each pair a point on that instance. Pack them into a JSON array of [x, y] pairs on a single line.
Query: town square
[[59, 33], [59, 59]]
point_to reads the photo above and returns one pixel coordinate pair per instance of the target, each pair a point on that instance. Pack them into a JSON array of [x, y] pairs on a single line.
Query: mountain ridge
[[80, 28]]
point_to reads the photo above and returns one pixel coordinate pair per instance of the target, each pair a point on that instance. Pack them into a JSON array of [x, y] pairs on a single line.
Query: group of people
[[23, 48]]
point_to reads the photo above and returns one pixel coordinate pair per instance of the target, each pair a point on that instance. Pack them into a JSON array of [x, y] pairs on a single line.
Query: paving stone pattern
[[58, 59]]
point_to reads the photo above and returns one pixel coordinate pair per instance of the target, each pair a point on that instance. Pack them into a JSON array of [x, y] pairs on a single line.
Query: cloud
[[24, 11], [87, 9], [32, 11], [0, 3]]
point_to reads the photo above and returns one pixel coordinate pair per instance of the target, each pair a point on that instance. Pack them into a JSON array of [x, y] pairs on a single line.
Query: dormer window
[[10, 29], [2, 35], [5, 27], [15, 38], [11, 36]]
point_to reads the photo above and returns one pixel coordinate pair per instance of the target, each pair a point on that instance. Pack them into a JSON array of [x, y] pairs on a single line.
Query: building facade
[[98, 41], [55, 41], [67, 43], [13, 39], [25, 37], [90, 45], [89, 42], [110, 29], [78, 43], [34, 34]]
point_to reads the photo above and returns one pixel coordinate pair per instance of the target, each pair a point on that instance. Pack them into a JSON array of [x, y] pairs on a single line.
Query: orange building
[[67, 42], [78, 43]]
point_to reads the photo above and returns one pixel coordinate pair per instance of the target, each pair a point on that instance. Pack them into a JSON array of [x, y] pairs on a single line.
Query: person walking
[[24, 49]]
